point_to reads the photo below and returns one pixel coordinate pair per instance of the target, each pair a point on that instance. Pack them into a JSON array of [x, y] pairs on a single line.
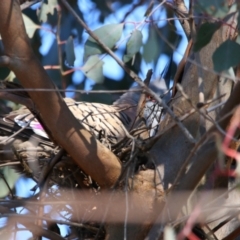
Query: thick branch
[[86, 151]]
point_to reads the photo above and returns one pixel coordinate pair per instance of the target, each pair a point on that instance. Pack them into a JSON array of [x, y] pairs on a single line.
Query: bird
[[108, 123], [22, 133]]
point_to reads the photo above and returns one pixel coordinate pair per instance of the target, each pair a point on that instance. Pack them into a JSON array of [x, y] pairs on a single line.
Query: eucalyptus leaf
[[151, 49], [226, 56], [109, 34], [133, 45], [29, 25], [47, 7], [214, 8], [204, 35], [93, 69]]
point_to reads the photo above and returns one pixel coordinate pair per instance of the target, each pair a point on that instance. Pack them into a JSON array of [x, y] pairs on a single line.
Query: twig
[[152, 141], [48, 168], [59, 45], [26, 3], [181, 11], [210, 232], [5, 141], [17, 99], [210, 109], [178, 76], [201, 113], [201, 97], [68, 90], [33, 217], [142, 100]]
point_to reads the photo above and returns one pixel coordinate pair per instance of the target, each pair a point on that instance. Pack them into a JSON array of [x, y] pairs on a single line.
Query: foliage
[[110, 33]]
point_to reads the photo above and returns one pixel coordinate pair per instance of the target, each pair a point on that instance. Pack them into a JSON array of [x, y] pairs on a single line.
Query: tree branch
[[89, 154]]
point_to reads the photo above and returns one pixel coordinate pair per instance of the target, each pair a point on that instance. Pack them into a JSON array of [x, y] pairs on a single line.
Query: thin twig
[[49, 167], [201, 97], [142, 101], [181, 12], [152, 141], [5, 141], [33, 217]]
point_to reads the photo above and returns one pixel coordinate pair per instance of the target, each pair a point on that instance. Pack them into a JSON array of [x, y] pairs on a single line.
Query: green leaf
[[10, 176], [156, 45], [108, 34], [214, 8], [29, 25], [226, 56], [204, 35], [93, 69], [151, 48], [46, 8], [69, 48], [133, 45]]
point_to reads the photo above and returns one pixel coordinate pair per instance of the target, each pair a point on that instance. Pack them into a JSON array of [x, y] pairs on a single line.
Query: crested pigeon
[[104, 121]]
